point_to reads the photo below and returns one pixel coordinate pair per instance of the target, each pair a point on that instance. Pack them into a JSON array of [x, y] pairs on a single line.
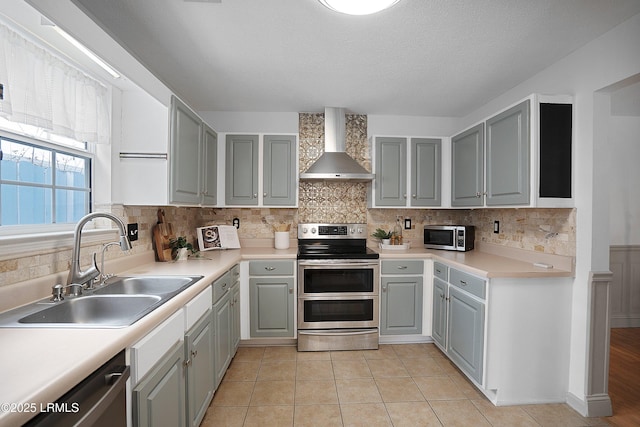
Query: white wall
[[233, 122], [624, 194]]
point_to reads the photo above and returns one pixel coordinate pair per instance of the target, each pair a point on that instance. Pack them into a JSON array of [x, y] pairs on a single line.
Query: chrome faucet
[[76, 275]]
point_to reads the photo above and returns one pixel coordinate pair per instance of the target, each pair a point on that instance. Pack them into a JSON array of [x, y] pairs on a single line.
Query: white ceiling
[[421, 57]]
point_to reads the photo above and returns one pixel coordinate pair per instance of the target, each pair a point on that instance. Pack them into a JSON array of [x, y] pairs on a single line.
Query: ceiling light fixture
[[358, 7]]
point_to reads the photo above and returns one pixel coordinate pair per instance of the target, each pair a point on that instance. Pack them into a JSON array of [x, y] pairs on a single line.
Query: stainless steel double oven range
[[338, 288]]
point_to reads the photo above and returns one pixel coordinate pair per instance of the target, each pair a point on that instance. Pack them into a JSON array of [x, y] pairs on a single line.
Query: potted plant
[[180, 248], [382, 235]]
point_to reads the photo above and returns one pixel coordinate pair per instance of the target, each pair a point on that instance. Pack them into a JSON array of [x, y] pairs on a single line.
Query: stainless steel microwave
[[449, 237]]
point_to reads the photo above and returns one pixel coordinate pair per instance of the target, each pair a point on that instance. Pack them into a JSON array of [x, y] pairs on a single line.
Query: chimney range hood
[[335, 164]]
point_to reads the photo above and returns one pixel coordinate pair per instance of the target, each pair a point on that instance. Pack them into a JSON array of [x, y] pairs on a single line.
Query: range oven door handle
[[329, 264], [335, 332]]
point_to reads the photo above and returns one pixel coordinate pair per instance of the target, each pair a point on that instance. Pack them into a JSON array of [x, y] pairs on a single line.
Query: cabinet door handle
[[186, 363], [463, 283], [402, 267], [413, 195], [290, 290], [194, 353], [384, 289], [269, 268], [255, 195], [264, 194], [438, 271], [404, 195]]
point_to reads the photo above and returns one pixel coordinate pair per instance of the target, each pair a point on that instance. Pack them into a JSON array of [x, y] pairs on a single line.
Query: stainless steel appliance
[[338, 288], [449, 237], [99, 400]]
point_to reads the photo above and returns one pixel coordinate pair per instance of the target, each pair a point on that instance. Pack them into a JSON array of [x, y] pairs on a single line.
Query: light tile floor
[[397, 385]]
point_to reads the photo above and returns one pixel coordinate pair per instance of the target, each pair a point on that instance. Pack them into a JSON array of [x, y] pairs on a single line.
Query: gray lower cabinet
[[235, 309], [159, 399], [222, 325], [440, 305], [199, 367], [401, 297], [271, 298], [465, 343], [458, 318]]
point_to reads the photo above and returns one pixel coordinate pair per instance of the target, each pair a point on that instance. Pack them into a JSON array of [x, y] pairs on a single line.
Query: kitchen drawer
[[271, 268], [222, 285], [235, 273], [403, 267], [194, 309], [441, 271], [146, 352], [472, 284]]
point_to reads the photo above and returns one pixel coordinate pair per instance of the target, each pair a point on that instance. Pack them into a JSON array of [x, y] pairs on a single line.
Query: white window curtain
[[42, 90]]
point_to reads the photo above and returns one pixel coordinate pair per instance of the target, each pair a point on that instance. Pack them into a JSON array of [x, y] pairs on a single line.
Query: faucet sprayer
[[76, 275]]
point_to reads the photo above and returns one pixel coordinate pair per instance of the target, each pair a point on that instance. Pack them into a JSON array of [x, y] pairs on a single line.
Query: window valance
[[40, 89]]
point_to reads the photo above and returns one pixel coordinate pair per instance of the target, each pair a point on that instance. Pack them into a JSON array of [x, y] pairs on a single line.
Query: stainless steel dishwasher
[[98, 401]]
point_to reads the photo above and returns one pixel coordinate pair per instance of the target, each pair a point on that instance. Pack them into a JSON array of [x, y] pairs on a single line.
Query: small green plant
[[181, 242], [381, 234]]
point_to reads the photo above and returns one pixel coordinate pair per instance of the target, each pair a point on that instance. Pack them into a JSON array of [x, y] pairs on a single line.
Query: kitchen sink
[[120, 302], [148, 285], [96, 311]]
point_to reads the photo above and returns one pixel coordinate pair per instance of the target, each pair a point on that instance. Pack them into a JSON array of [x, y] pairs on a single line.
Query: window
[[42, 183]]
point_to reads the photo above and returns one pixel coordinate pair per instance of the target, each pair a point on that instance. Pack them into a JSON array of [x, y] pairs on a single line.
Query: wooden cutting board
[[162, 233]]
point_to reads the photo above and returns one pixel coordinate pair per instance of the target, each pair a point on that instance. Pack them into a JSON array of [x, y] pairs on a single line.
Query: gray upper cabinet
[[409, 179], [185, 154], [193, 161], [210, 168], [391, 171], [467, 167], [426, 159], [276, 186], [507, 161], [241, 172], [279, 180]]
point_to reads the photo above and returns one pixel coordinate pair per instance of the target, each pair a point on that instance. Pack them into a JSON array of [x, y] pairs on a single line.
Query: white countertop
[[38, 365]]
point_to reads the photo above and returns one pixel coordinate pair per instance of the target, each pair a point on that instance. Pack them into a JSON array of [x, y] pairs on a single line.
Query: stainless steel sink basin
[[147, 285], [120, 302], [96, 311]]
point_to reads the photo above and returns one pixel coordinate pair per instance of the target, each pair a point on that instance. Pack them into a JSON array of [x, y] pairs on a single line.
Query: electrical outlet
[[407, 223], [236, 222], [132, 231], [496, 227]]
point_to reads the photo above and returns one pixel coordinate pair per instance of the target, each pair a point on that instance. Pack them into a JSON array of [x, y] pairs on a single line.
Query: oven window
[[338, 280], [338, 310], [439, 237]]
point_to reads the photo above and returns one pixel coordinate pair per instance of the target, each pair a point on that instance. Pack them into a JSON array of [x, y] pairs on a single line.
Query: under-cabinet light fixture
[[82, 48], [358, 7]]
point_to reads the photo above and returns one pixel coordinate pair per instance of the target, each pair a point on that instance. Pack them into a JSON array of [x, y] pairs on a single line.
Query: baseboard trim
[[592, 406]]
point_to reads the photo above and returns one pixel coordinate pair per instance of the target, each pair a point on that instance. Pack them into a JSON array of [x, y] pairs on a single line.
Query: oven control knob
[[352, 230], [360, 231], [304, 230], [313, 231]]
